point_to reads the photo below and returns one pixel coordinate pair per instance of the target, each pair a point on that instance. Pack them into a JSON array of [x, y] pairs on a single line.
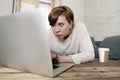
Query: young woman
[[69, 41]]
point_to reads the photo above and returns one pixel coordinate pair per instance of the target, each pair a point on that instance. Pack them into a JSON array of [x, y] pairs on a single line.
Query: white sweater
[[78, 45]]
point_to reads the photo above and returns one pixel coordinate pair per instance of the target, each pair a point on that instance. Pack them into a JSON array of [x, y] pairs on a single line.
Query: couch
[[112, 42]]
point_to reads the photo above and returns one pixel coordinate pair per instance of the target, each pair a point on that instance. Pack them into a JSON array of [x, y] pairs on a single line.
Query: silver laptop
[[24, 44]]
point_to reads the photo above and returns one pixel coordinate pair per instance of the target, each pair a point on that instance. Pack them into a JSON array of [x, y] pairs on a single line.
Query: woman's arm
[[57, 58], [86, 50]]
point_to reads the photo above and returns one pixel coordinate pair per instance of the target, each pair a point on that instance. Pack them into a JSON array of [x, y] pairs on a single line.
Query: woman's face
[[62, 28]]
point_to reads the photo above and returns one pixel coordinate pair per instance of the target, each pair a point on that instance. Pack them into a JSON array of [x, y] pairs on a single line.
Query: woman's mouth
[[58, 35]]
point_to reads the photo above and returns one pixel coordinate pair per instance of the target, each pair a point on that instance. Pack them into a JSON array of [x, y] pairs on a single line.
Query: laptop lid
[[24, 42]]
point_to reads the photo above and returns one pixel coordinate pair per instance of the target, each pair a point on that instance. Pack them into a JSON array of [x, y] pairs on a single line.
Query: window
[[35, 4], [44, 5]]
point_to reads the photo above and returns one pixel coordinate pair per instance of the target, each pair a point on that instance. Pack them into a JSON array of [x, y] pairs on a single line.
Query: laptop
[[24, 44]]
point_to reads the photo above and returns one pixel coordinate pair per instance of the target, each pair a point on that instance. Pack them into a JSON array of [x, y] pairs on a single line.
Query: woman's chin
[[60, 37]]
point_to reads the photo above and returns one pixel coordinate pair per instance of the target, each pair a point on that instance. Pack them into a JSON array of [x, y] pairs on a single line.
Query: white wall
[[5, 7], [102, 17], [76, 6]]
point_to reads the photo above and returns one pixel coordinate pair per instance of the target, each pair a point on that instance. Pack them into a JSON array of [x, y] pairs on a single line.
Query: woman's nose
[[57, 29]]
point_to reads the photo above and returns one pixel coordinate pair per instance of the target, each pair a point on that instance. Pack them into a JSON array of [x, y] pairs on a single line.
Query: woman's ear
[[72, 24]]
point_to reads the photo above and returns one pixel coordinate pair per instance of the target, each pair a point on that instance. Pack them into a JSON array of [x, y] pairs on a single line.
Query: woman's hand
[[54, 58], [53, 55], [64, 59], [58, 59]]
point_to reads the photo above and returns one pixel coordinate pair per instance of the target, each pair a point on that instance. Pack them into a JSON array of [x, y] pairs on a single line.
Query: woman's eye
[[61, 24]]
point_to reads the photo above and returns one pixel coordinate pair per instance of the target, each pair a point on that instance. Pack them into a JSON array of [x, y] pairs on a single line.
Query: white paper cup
[[103, 54]]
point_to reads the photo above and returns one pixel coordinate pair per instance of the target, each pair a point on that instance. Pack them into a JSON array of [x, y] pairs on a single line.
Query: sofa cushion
[[95, 47], [113, 43]]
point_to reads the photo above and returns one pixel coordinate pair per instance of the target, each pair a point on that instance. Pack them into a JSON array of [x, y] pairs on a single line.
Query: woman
[[69, 41]]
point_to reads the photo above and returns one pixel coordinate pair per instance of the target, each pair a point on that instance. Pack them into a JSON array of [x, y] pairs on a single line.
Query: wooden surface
[[87, 71]]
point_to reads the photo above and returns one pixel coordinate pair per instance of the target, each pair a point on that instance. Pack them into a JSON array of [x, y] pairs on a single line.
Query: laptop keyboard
[[55, 66]]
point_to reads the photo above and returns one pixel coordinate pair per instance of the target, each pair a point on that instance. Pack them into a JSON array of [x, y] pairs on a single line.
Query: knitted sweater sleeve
[[86, 51]]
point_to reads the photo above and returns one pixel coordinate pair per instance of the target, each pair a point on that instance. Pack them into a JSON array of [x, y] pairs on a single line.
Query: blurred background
[[102, 17]]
